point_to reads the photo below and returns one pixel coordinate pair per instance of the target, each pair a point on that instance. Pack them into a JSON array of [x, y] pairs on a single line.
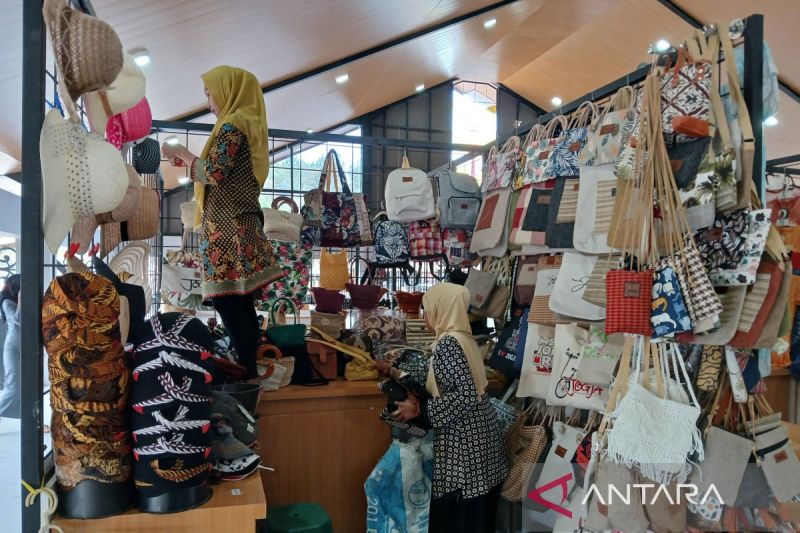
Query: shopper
[[9, 310], [469, 461], [228, 177]]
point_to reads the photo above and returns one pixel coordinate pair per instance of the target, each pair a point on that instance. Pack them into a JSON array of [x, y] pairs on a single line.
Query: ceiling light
[[419, 88], [771, 121], [556, 101], [172, 140], [183, 180], [662, 45], [309, 130], [342, 78], [489, 23], [141, 56]]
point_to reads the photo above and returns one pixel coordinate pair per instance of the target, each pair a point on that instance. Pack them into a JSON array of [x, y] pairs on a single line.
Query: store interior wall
[[512, 108]]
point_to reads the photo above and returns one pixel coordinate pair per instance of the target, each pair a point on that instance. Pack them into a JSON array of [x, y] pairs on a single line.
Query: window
[[474, 121]]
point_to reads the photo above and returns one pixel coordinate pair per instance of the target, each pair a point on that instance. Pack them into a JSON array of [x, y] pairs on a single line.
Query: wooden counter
[[780, 392], [323, 443], [234, 506]]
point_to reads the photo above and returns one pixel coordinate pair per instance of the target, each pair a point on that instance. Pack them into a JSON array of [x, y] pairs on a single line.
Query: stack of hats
[[171, 410], [233, 432], [89, 381]]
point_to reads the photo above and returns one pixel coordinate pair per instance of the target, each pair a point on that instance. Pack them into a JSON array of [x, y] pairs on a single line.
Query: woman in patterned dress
[[228, 178], [469, 463]]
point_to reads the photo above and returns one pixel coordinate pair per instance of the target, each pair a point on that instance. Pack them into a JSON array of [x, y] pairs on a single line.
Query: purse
[[685, 94], [564, 159], [669, 315], [287, 335], [628, 302], [567, 296], [537, 361], [332, 324], [503, 165], [280, 225], [327, 301], [779, 463], [409, 302], [492, 226], [295, 260], [546, 277], [333, 271], [333, 218], [525, 443], [562, 212], [596, 196], [505, 354], [603, 138]]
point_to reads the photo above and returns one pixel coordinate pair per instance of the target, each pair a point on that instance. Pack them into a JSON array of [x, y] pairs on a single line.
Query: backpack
[[409, 195], [390, 248], [459, 200], [455, 242], [425, 238]]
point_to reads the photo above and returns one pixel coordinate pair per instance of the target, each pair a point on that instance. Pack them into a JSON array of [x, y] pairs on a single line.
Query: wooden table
[[234, 506], [323, 443]]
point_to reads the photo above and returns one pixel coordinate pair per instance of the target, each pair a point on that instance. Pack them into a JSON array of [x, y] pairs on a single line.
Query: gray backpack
[[459, 200]]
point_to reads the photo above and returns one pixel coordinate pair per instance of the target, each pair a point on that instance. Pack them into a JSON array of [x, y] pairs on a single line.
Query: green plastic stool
[[298, 518]]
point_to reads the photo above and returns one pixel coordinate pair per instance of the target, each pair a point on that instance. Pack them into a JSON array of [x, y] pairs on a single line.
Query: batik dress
[[237, 258]]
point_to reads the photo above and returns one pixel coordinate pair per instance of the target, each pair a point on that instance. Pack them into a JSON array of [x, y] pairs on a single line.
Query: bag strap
[[620, 386], [352, 351], [550, 129], [379, 215], [353, 262], [511, 144], [333, 165], [274, 305], [280, 201], [534, 135]]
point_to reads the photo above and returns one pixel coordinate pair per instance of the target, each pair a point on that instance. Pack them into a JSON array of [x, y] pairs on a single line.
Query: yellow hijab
[[446, 309], [241, 102]]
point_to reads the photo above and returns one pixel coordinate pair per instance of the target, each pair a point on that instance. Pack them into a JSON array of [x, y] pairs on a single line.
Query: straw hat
[[84, 227], [82, 175], [132, 263], [147, 156], [130, 125], [126, 91], [87, 50], [141, 226]]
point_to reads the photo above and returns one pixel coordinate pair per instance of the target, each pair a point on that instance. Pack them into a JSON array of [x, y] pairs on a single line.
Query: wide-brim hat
[[134, 307], [87, 51], [131, 264], [147, 156], [141, 226], [127, 90], [82, 175], [84, 228], [130, 125]]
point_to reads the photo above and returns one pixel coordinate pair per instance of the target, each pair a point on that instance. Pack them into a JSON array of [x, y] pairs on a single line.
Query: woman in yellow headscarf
[[469, 464], [228, 178]]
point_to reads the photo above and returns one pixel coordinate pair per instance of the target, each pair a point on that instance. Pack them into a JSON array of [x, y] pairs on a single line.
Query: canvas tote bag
[[491, 227], [537, 362], [596, 197], [567, 298]]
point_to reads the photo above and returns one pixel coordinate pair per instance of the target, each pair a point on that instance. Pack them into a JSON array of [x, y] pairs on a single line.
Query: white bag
[[491, 229], [599, 356], [564, 388], [567, 298], [537, 361], [280, 225], [596, 198], [409, 195]]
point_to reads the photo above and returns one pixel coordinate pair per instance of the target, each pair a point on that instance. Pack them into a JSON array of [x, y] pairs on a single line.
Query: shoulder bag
[[280, 225]]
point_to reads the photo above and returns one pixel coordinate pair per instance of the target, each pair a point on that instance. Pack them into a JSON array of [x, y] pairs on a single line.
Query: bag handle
[[274, 306], [353, 262], [581, 116], [534, 135], [332, 164], [511, 144], [280, 201], [550, 129], [620, 386]]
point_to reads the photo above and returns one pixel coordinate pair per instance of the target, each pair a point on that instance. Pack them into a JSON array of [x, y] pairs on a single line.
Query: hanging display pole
[[754, 92], [31, 259]]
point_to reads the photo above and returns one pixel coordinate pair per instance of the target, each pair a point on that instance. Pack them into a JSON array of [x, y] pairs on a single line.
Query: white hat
[[82, 175], [126, 91], [134, 260]]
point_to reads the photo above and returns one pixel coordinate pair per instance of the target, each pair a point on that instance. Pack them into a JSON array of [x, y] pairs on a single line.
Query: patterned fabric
[[456, 244], [425, 240], [89, 380], [500, 169], [468, 442], [391, 244], [686, 158], [546, 276], [603, 139], [702, 301], [537, 161], [685, 94], [669, 314], [294, 259], [237, 258], [755, 240], [596, 286], [710, 363], [722, 245], [564, 159], [382, 328], [623, 167], [505, 354], [628, 302]]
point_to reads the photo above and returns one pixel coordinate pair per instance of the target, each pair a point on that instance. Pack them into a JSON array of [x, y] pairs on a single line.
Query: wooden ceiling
[[538, 48]]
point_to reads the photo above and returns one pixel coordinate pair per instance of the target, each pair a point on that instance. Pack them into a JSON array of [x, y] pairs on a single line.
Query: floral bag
[[502, 166], [295, 261], [605, 132], [538, 153], [564, 159]]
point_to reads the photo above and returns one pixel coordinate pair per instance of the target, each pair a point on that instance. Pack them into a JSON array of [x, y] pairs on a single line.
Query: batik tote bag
[[685, 94], [567, 298], [604, 134], [744, 273], [491, 227], [596, 196]]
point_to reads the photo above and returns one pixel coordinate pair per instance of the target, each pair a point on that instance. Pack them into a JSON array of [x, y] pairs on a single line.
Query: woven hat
[[141, 226], [365, 296], [127, 90], [82, 174], [327, 301], [84, 228], [133, 310], [147, 156], [87, 50], [130, 125], [188, 210], [131, 263]]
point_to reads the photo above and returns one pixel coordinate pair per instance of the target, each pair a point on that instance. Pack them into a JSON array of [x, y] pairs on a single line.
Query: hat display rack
[[34, 468]]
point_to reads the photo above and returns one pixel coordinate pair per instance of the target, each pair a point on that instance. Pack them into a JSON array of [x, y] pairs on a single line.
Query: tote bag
[[538, 154], [757, 305], [525, 284], [744, 273], [519, 236], [596, 197], [567, 298], [564, 388], [599, 356], [537, 361], [564, 159], [505, 352], [536, 214], [281, 225], [546, 277], [503, 166], [562, 212], [604, 134], [595, 292], [491, 227]]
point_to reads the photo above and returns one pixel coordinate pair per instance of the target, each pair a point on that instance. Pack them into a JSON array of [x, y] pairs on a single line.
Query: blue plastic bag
[[399, 488]]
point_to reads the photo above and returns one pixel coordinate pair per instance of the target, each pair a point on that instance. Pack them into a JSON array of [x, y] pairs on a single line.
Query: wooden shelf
[[234, 506], [335, 389]]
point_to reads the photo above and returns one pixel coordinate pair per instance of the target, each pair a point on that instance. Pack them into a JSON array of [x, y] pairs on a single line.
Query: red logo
[[536, 495]]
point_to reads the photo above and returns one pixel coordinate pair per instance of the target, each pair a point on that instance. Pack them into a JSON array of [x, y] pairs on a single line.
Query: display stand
[[234, 506], [92, 499]]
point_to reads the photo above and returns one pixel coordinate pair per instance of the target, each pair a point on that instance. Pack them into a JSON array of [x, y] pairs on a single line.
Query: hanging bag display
[[564, 159], [333, 218], [567, 297], [409, 194], [280, 225], [459, 200], [603, 137], [596, 196], [491, 228]]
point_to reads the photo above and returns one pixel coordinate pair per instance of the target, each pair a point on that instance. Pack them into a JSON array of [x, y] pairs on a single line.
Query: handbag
[[599, 356], [536, 215], [567, 296], [327, 301], [525, 443], [425, 240], [501, 166], [595, 292], [564, 388], [685, 94], [287, 335], [779, 463], [409, 302], [481, 285], [537, 361], [732, 300], [758, 303], [456, 243], [686, 158], [539, 153], [546, 276], [562, 212], [280, 225], [603, 138], [505, 353], [500, 296], [295, 260], [596, 196], [628, 301], [755, 240], [333, 218], [722, 245], [525, 174], [564, 158], [333, 271], [365, 296], [491, 227], [702, 195], [332, 324], [382, 328], [525, 283], [669, 315]]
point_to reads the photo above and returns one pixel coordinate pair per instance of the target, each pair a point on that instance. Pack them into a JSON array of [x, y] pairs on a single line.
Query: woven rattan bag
[[333, 271]]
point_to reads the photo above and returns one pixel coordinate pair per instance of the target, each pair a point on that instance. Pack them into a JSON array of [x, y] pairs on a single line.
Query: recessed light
[[662, 45], [419, 88], [309, 130], [771, 121], [140, 55], [342, 78], [172, 140], [556, 101], [489, 23]]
